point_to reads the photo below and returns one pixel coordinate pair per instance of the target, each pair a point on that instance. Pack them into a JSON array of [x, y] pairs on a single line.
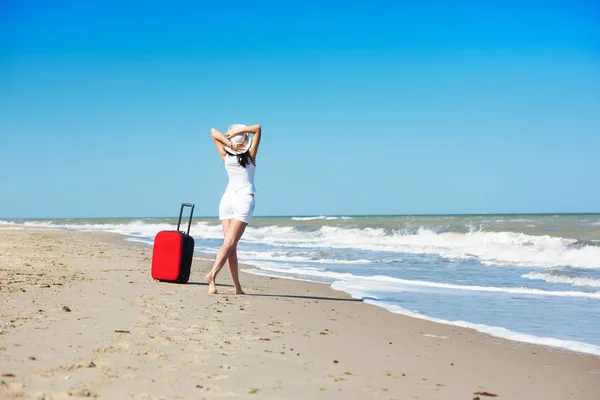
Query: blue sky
[[367, 107]]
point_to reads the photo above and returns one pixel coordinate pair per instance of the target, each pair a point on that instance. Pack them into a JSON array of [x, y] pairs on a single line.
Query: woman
[[238, 150]]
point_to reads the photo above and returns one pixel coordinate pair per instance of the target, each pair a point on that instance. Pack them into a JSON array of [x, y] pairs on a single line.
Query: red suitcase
[[173, 252]]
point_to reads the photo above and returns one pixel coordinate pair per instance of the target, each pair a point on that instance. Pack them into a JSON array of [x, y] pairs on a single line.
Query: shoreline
[[105, 282], [590, 349]]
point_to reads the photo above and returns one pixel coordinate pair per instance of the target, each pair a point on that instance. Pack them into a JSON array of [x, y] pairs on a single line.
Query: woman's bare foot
[[239, 291], [212, 289]]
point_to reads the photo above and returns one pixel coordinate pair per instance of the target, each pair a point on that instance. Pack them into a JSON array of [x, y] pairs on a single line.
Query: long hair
[[243, 159]]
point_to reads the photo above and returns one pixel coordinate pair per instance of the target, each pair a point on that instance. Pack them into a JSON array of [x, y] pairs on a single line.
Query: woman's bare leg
[[234, 233], [232, 261], [225, 225], [234, 271]]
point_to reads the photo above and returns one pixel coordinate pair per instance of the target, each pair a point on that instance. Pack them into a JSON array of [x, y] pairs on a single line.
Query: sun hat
[[243, 139]]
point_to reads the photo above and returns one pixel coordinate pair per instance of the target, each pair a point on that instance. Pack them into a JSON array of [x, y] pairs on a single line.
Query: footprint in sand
[[211, 377], [15, 390], [164, 339], [208, 388], [105, 350], [148, 352], [194, 359], [123, 344]]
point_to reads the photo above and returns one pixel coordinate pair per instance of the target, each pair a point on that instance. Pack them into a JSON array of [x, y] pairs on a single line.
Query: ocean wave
[[490, 248], [320, 217], [133, 228], [390, 284], [138, 228], [300, 258], [553, 278]]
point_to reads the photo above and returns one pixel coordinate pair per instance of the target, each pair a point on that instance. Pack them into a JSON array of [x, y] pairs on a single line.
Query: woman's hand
[[229, 134], [237, 147]]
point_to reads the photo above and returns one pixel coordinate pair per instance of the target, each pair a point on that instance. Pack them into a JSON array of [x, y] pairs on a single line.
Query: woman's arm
[[256, 130], [255, 142], [246, 129], [221, 141]]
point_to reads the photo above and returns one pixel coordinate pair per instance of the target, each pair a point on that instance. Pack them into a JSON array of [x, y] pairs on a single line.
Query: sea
[[526, 278]]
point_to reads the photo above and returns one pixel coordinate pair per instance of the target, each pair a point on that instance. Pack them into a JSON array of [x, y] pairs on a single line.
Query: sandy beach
[[80, 316]]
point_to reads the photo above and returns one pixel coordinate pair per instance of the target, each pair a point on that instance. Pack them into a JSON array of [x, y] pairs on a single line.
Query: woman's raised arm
[[221, 141], [255, 143]]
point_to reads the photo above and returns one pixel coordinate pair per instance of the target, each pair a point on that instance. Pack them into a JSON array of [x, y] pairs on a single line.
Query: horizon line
[[324, 215]]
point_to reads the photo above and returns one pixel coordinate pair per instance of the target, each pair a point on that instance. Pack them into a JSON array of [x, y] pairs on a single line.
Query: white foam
[[308, 218], [544, 276], [137, 228], [498, 248], [387, 283], [133, 228], [490, 248], [318, 218], [288, 257]]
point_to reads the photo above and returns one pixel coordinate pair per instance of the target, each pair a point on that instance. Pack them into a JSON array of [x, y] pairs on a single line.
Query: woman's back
[[241, 180]]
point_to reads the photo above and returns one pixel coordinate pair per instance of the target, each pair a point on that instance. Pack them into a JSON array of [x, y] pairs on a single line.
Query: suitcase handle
[[181, 213]]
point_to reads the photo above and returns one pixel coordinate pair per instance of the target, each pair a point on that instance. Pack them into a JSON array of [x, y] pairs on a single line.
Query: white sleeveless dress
[[238, 200]]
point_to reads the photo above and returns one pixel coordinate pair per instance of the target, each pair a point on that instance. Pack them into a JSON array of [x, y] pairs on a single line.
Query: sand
[[80, 316]]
